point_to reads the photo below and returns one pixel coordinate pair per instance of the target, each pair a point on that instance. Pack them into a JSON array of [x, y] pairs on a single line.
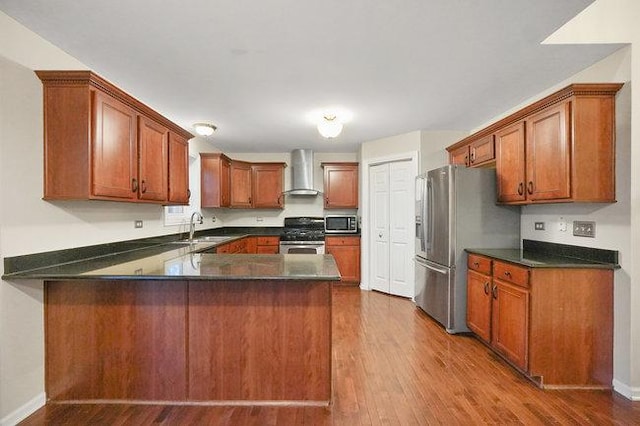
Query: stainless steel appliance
[[456, 209], [340, 224], [302, 235]]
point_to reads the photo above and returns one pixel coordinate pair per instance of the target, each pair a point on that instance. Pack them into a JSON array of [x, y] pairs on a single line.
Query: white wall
[[432, 147]]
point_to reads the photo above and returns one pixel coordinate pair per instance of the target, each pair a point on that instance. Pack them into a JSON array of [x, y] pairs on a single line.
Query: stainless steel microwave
[[340, 224]]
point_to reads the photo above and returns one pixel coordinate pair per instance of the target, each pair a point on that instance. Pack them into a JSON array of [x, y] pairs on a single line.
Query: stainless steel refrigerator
[[456, 209]]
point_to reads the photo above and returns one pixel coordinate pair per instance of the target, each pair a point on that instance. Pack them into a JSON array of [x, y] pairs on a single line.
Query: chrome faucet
[[192, 224]]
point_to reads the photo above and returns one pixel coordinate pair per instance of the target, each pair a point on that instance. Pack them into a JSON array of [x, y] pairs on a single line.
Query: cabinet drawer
[[511, 273], [342, 241], [479, 263], [268, 241]]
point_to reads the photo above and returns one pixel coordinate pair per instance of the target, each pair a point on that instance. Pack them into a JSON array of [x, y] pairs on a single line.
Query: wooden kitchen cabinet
[[482, 151], [215, 180], [179, 192], [558, 149], [346, 252], [509, 321], [267, 185], [268, 245], [553, 324], [101, 143], [460, 156], [241, 190], [479, 285], [340, 185], [153, 160]]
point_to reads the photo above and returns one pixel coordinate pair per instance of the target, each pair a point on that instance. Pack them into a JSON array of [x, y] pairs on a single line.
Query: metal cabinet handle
[[134, 185], [494, 292], [188, 194], [466, 160], [507, 274], [530, 187], [476, 264], [521, 188], [473, 155], [143, 185], [486, 288]]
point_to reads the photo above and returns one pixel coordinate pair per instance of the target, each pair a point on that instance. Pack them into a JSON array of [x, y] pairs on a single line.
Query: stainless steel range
[[302, 235]]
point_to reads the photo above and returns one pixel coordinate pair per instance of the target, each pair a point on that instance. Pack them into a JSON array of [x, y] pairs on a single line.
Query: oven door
[[301, 247]]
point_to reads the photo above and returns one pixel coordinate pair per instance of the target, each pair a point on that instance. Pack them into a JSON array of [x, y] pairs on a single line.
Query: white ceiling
[[257, 68]]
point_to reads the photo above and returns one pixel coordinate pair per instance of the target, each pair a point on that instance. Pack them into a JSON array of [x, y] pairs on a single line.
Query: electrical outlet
[[137, 224], [584, 228], [213, 219], [562, 225], [538, 226]]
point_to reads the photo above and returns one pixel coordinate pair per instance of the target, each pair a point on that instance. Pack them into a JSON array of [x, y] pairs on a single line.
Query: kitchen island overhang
[[196, 328]]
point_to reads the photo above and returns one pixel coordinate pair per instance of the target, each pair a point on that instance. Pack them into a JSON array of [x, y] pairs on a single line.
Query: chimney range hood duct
[[302, 173]]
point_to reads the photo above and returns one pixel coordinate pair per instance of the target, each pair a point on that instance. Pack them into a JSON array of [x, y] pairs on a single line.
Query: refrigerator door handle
[[429, 214], [429, 265]]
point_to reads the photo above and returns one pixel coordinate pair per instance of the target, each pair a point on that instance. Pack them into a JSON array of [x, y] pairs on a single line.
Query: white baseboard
[[632, 393], [24, 411]]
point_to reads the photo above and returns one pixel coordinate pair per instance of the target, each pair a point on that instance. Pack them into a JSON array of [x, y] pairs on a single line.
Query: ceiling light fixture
[[330, 126], [204, 129]]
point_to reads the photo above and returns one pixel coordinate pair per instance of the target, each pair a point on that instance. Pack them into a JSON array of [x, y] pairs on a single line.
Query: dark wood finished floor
[[392, 366]]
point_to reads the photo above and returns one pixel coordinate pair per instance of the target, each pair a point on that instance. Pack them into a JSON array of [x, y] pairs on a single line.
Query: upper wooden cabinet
[[267, 184], [340, 185], [153, 160], [100, 143], [240, 184], [559, 149], [215, 180], [477, 153], [241, 190], [179, 192]]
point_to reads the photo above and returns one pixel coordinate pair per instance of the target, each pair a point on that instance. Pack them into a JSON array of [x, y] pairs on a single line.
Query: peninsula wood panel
[[260, 340], [115, 340], [580, 351]]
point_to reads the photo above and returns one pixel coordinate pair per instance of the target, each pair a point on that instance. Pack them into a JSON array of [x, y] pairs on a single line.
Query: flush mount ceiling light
[[330, 126], [204, 129]]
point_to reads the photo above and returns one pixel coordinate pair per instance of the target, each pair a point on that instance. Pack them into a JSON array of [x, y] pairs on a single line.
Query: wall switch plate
[[538, 226], [137, 224], [584, 228]]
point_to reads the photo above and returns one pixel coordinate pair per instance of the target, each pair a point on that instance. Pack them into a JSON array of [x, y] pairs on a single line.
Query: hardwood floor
[[392, 365]]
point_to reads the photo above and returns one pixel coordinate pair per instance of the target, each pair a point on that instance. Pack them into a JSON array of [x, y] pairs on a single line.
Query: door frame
[[414, 158]]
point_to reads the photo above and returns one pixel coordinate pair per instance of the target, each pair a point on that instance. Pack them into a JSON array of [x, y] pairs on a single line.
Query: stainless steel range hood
[[302, 173]]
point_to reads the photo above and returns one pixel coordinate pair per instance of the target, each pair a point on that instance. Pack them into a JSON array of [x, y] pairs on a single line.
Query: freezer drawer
[[440, 296]]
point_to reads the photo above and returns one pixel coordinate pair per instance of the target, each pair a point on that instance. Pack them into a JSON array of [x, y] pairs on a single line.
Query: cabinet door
[[114, 166], [178, 170], [460, 156], [510, 325], [482, 151], [549, 154], [510, 164], [348, 261], [479, 304], [268, 180], [341, 186], [214, 180], [240, 173], [153, 140]]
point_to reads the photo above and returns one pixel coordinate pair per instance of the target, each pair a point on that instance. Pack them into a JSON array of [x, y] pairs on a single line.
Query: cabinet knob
[[476, 264], [134, 185], [507, 274]]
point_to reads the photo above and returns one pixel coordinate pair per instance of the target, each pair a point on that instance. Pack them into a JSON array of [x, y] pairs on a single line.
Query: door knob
[[380, 235]]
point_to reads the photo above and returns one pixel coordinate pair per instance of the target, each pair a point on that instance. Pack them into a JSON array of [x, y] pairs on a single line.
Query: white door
[[379, 216], [391, 218], [401, 223]]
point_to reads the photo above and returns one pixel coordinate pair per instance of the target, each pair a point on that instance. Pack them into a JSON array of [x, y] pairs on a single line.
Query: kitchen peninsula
[[170, 324]]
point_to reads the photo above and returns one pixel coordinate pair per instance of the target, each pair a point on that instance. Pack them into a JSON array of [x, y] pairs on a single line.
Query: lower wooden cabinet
[[554, 324], [267, 245], [346, 252]]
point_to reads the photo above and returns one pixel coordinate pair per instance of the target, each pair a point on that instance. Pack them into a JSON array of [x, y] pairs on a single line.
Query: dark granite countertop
[[536, 254], [166, 257]]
